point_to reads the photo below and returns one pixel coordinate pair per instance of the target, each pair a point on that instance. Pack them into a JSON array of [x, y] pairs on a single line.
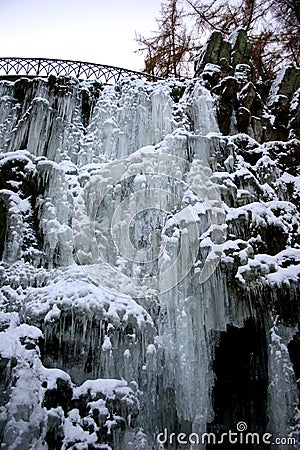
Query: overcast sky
[[100, 31]]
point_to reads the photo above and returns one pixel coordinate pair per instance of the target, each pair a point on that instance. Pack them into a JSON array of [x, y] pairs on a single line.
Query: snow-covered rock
[[149, 274]]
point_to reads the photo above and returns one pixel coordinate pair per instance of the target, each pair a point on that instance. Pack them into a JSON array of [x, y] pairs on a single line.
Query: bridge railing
[[43, 67]]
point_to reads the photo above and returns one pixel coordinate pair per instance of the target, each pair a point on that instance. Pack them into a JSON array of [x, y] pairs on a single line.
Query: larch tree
[[170, 48], [273, 27]]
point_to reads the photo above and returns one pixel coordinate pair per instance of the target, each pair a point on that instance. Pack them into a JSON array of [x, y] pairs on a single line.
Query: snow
[[284, 275], [72, 288], [10, 337], [108, 387], [53, 314], [106, 344], [142, 236], [288, 178]]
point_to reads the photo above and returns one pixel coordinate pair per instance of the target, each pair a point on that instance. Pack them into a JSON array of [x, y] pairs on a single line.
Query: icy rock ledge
[[45, 407], [189, 358]]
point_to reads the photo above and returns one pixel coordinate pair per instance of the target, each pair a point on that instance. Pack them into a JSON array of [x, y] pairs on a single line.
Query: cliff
[[150, 257]]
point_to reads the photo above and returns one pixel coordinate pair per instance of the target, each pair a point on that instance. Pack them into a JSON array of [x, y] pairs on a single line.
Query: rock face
[[150, 259], [226, 54], [247, 105]]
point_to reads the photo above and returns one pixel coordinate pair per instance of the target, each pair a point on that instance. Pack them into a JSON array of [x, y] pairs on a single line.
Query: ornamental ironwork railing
[[43, 67]]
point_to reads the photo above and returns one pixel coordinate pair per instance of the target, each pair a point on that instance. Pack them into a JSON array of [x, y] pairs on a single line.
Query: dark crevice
[[294, 352], [3, 227], [240, 391]]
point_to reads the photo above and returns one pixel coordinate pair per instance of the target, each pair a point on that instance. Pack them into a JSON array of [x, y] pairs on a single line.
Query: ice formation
[[150, 258]]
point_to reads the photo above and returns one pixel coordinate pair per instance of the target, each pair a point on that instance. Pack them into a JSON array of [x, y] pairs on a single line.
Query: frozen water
[[136, 234]]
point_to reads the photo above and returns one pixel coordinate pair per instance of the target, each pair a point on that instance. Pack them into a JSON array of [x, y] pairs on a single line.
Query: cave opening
[[294, 352], [3, 227], [241, 385]]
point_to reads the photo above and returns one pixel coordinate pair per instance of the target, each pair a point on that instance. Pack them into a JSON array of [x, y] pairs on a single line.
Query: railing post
[[38, 67], [79, 70]]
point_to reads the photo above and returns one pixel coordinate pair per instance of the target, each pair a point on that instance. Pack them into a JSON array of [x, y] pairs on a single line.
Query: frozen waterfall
[[149, 268]]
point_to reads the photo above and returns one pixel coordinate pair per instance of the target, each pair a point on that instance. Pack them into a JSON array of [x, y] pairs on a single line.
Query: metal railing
[[43, 67]]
